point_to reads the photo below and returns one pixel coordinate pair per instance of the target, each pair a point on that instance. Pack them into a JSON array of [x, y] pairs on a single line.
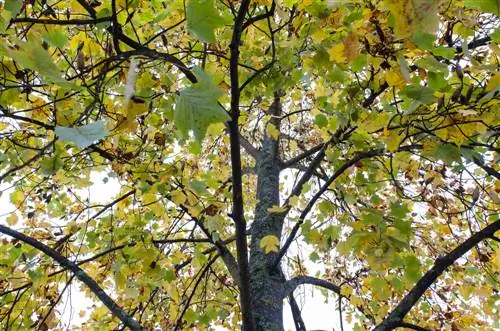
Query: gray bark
[[266, 282]]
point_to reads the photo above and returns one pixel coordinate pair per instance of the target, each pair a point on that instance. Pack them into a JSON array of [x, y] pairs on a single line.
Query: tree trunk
[[266, 283]]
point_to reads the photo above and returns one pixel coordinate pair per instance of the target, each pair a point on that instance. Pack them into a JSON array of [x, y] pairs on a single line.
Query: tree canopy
[[249, 139]]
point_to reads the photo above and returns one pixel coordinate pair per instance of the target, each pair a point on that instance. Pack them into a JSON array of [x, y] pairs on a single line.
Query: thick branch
[[238, 212], [79, 273], [293, 283], [395, 318]]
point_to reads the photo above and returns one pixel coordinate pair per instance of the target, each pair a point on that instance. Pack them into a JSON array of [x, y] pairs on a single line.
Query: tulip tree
[[251, 140]]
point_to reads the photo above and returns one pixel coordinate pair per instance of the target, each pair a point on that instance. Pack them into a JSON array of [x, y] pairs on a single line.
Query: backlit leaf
[[197, 107], [83, 136], [203, 18]]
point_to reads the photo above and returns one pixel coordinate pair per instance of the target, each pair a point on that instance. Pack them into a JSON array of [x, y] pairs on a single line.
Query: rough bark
[[266, 282]]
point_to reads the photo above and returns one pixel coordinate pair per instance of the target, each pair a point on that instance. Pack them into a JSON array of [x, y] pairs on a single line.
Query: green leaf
[[13, 6], [83, 136], [197, 107], [56, 38], [50, 165], [31, 55], [438, 82], [203, 18], [399, 210], [448, 153], [412, 268], [321, 121], [314, 257], [422, 94], [446, 52], [424, 40], [495, 36], [487, 6], [431, 64]]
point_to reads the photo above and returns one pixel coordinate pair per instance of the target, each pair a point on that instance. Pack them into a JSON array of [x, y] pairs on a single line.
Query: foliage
[[362, 132]]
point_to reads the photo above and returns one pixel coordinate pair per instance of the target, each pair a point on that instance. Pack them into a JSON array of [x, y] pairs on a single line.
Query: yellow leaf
[[149, 198], [178, 197], [294, 200], [395, 78], [346, 291], [336, 53], [12, 219], [493, 83], [304, 4], [277, 209], [496, 260], [392, 141], [270, 244], [17, 198], [272, 131]]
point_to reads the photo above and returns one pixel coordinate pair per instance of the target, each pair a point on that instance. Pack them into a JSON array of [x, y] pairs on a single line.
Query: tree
[[243, 134]]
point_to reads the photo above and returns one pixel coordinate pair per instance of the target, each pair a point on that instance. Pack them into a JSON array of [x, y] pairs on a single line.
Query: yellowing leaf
[[17, 198], [277, 209], [336, 53], [12, 219], [346, 291], [270, 244], [493, 83], [272, 131], [178, 197], [392, 141], [395, 78]]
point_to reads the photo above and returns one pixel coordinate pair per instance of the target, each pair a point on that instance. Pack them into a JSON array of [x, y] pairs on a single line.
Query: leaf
[[272, 131], [12, 219], [424, 40], [420, 93], [487, 6], [336, 53], [56, 38], [277, 209], [270, 244], [412, 268], [17, 198], [203, 18], [13, 6], [178, 197], [448, 153], [197, 107], [83, 136]]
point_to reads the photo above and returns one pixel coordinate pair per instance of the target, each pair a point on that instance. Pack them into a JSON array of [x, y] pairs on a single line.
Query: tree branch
[[60, 22], [293, 283], [297, 316], [395, 318], [357, 157], [234, 134], [79, 273]]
